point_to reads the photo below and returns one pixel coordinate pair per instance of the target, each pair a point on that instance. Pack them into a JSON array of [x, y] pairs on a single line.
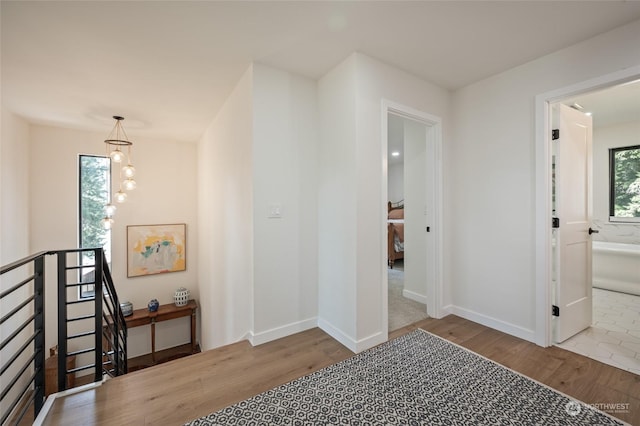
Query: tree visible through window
[[624, 168], [95, 193]]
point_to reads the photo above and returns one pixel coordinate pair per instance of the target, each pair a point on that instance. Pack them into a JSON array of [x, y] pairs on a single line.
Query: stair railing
[[22, 375], [114, 330], [92, 330]]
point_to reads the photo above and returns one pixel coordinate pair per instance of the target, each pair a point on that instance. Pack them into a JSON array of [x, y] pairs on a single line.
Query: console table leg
[[193, 331], [153, 341]]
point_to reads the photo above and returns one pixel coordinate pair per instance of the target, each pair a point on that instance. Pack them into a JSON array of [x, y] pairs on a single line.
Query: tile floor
[[614, 338]]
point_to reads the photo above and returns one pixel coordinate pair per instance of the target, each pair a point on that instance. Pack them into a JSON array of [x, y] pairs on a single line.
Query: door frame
[[433, 141], [543, 205]]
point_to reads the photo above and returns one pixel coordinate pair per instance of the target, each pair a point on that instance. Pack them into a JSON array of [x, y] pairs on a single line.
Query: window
[[624, 184], [94, 193]]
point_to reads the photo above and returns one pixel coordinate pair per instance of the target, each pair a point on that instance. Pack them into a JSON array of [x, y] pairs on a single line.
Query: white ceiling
[[168, 66], [618, 104]]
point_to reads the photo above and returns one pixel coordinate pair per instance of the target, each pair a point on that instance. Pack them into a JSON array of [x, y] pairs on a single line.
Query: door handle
[[593, 231]]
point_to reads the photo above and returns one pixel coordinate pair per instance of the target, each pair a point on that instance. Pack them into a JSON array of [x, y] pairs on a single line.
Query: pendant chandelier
[[115, 144]]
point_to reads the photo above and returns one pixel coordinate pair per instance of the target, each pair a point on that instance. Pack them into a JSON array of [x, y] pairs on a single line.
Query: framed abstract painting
[[156, 249]]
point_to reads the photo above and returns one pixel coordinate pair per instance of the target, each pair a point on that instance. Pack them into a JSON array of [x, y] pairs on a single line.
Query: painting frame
[[156, 249]]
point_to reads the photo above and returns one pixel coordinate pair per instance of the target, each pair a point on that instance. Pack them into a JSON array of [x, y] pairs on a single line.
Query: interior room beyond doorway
[[613, 336], [406, 221]]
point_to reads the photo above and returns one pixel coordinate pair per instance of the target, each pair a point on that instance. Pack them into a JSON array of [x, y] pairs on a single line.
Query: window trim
[[612, 183]]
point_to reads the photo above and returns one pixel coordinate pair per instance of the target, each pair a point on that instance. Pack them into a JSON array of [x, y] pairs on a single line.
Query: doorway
[[420, 197], [603, 340], [611, 334], [406, 220]]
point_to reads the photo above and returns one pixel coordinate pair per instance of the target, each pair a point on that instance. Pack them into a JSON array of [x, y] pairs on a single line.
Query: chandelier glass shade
[[110, 209], [120, 196], [116, 145], [128, 171], [107, 222], [116, 155], [129, 184]]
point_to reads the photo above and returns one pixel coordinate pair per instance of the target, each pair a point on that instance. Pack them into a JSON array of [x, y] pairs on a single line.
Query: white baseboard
[[444, 311], [350, 343], [370, 341], [337, 334], [414, 296], [505, 327], [282, 331]]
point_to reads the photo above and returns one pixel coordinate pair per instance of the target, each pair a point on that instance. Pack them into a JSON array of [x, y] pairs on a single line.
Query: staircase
[[90, 331]]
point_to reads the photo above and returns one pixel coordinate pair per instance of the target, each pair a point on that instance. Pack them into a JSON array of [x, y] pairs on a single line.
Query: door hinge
[[555, 134], [555, 311], [555, 222]]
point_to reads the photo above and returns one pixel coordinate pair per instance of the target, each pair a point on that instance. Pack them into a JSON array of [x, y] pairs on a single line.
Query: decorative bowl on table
[[181, 297], [127, 308]]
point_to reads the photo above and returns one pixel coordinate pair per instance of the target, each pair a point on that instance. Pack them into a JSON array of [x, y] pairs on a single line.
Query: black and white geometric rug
[[416, 379]]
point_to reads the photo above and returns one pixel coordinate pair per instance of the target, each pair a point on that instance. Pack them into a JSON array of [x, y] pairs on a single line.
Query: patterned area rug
[[415, 379]]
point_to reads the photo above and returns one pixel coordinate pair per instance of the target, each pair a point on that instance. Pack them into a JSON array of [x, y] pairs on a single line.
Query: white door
[[573, 209]]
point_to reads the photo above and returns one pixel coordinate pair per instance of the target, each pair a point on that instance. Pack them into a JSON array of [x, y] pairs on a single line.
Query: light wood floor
[[188, 388]]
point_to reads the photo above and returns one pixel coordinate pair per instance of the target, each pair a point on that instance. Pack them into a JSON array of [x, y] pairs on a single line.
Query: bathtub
[[616, 266]]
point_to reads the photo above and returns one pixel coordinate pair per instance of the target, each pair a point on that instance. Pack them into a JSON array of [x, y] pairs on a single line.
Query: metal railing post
[[62, 321], [39, 329], [98, 295], [116, 346]]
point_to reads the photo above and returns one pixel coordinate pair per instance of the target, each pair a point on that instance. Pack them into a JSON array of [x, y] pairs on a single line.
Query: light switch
[[275, 211]]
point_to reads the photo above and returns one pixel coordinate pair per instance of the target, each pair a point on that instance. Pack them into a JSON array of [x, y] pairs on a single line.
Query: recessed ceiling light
[[395, 153], [588, 113]]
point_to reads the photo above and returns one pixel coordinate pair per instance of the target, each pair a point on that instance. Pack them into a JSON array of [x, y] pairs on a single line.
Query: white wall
[[415, 207], [337, 191], [14, 243], [225, 227], [166, 193], [14, 188], [606, 137], [395, 182], [352, 203], [285, 276], [395, 167], [490, 211], [259, 275], [377, 81]]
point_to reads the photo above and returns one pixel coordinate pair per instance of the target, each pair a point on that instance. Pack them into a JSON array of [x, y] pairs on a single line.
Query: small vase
[[127, 308], [181, 297], [153, 305]]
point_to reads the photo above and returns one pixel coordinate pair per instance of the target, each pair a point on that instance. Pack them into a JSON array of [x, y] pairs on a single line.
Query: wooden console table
[[164, 313]]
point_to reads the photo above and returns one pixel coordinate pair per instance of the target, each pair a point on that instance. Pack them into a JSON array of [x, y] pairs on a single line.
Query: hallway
[[187, 388]]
